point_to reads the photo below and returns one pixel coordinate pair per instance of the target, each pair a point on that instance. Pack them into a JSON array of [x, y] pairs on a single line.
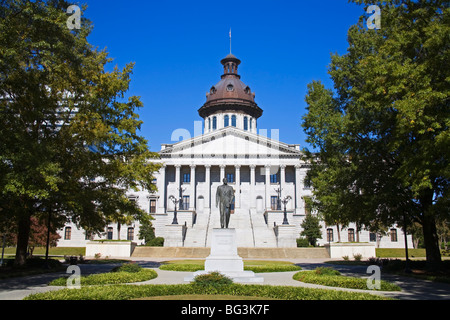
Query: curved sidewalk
[[412, 289]]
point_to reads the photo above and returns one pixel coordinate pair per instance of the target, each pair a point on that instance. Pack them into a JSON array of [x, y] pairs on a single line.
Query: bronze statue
[[224, 196]]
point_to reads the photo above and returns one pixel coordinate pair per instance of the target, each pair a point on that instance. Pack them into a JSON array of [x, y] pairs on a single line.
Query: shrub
[[302, 243], [128, 267], [340, 281], [327, 271], [155, 242], [346, 258], [357, 256], [212, 279], [181, 267], [127, 292]]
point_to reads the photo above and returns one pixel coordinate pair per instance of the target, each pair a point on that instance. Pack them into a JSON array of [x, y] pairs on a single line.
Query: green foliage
[[181, 267], [70, 137], [326, 271], [128, 267], [383, 134], [332, 279], [127, 275], [214, 279], [311, 229], [302, 243], [127, 292]]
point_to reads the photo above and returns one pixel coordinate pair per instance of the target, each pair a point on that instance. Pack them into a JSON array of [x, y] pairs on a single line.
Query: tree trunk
[[430, 237], [23, 234], [338, 233]]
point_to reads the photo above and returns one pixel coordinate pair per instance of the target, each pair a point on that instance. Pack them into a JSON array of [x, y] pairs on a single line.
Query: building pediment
[[229, 142]]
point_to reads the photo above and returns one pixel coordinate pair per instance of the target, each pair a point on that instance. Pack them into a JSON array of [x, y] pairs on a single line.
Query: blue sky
[[177, 47]]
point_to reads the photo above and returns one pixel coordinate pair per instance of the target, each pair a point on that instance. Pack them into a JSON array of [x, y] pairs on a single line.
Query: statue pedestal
[[225, 259]]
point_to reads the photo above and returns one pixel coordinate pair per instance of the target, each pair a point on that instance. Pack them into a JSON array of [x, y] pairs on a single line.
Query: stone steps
[[245, 253]]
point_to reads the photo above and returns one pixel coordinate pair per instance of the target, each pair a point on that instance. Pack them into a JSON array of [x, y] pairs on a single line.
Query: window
[[274, 178], [394, 235], [233, 120], [185, 203], [109, 235], [187, 177], [67, 233], [274, 203], [372, 237], [351, 235], [230, 177], [214, 124], [152, 205], [330, 237], [209, 123], [130, 233], [226, 121], [251, 122], [245, 123]]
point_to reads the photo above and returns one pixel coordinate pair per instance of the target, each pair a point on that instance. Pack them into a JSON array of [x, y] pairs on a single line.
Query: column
[[162, 189], [298, 189], [177, 181], [282, 175], [222, 172], [267, 167], [192, 193], [252, 186], [208, 187], [237, 201]]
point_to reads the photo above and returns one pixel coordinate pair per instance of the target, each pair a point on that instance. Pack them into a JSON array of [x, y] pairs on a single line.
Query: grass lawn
[[251, 265], [55, 251], [399, 253]]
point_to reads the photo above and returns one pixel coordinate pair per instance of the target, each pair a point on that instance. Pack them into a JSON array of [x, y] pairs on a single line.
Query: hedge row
[[128, 292]]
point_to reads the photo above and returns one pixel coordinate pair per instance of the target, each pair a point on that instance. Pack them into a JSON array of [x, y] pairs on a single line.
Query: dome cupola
[[230, 102]]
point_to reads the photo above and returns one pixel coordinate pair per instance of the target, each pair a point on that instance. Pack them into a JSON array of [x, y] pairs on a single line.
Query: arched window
[[251, 121], [226, 121], [68, 233], [330, 235], [245, 123], [214, 123], [351, 235], [233, 120], [130, 233], [209, 123]]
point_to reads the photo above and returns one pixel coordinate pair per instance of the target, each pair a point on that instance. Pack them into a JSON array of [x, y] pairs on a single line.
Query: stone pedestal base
[[225, 259], [286, 236]]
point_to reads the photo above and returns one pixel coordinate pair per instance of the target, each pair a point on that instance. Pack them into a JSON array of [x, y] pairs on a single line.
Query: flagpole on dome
[[230, 40]]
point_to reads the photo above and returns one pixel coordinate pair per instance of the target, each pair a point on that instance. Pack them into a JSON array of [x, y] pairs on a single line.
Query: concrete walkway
[[412, 289]]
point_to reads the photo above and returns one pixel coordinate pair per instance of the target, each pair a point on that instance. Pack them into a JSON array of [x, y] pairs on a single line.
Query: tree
[[70, 137], [383, 133], [311, 229]]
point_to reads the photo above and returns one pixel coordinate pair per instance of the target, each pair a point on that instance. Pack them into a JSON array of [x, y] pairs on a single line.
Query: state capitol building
[[267, 176]]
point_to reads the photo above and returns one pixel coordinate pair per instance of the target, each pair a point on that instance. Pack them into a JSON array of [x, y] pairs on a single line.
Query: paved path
[[413, 289]]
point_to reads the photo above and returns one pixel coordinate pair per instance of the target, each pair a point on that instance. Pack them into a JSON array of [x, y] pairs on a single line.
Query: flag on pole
[[230, 33]]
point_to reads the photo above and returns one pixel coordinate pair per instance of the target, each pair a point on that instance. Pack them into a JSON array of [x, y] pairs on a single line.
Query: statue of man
[[224, 197]]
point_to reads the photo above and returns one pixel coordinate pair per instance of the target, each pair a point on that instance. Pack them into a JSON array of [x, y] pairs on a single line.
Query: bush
[[327, 271], [127, 292], [128, 267], [155, 242], [357, 256], [212, 279], [181, 267], [302, 243], [327, 278]]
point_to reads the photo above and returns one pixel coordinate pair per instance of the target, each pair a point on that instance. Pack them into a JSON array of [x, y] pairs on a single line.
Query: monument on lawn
[[224, 198], [224, 256]]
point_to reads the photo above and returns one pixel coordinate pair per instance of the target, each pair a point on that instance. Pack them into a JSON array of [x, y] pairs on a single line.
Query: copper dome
[[230, 93]]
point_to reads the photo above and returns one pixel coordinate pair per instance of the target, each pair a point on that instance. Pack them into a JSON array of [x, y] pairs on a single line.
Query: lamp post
[[285, 201], [278, 191], [175, 202]]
